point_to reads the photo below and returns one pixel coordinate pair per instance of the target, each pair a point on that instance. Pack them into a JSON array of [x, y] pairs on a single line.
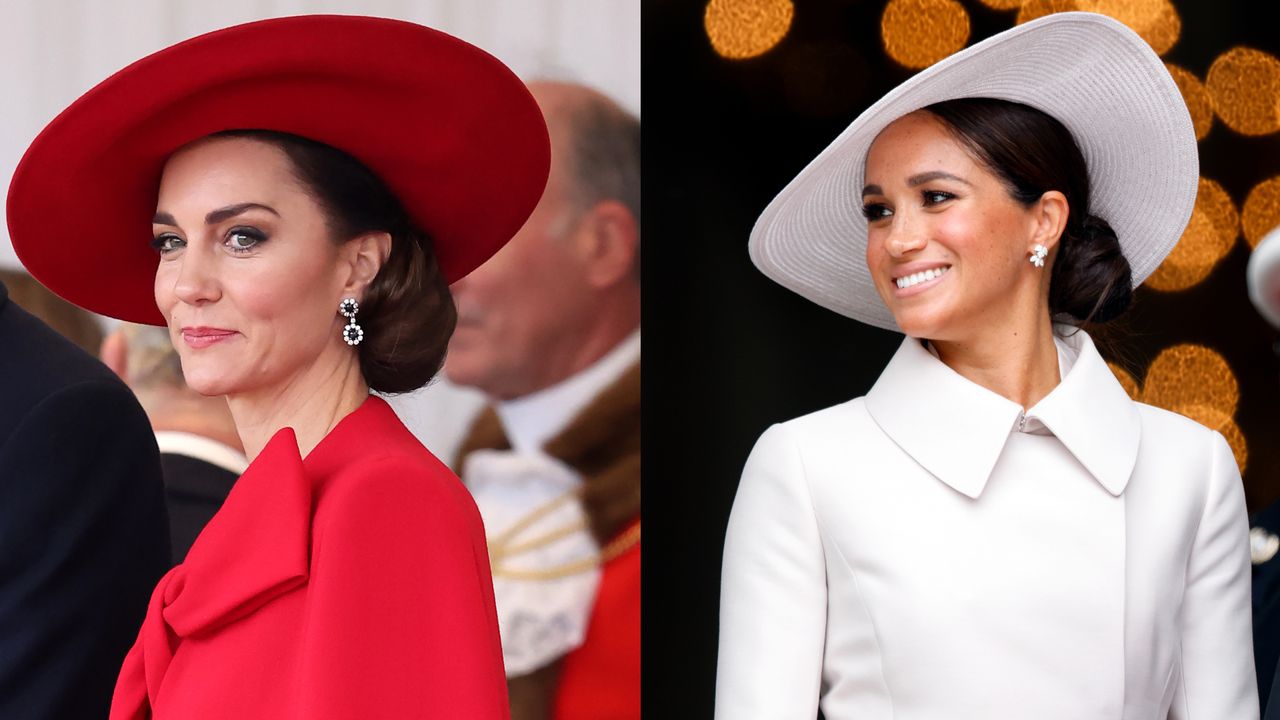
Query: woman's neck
[[1018, 361], [311, 402]]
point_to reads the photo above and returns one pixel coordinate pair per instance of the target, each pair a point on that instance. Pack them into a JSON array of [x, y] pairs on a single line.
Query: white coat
[[915, 555]]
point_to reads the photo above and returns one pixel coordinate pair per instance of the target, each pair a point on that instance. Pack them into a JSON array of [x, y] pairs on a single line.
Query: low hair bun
[[1092, 281], [409, 320]]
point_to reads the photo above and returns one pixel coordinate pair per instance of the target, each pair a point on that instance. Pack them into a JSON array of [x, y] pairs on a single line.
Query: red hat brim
[[450, 129]]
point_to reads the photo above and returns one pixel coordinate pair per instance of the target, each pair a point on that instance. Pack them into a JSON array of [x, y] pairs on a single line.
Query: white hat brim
[[1263, 276], [1091, 73]]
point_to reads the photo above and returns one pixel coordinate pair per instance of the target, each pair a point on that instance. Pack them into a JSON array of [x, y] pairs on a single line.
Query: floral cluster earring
[[352, 333], [1038, 253]]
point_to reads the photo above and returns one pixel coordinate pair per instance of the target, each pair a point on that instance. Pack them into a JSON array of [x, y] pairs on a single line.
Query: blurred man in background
[[1263, 276], [549, 330], [83, 537], [71, 322], [200, 451]]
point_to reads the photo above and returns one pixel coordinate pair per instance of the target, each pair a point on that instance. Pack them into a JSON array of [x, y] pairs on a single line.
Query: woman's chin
[[923, 322], [212, 384]]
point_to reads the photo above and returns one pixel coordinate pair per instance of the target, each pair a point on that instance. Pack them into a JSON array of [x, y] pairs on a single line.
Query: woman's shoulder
[[1170, 430], [840, 415], [842, 428], [374, 451], [392, 476], [400, 471], [844, 420], [1176, 452]]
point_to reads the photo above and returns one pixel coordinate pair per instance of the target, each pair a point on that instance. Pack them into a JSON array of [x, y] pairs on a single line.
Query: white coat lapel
[[956, 429], [1093, 416]]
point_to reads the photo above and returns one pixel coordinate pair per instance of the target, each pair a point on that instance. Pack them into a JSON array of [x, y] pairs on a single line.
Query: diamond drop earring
[[352, 333], [1038, 253]]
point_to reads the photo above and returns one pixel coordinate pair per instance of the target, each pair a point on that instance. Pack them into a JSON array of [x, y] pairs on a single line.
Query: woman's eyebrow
[[917, 180], [925, 177], [216, 216]]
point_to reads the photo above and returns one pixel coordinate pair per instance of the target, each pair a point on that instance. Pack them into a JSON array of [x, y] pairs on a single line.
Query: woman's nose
[[905, 236], [197, 280]]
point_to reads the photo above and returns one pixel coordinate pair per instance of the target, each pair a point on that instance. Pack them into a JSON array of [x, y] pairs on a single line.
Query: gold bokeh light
[[1156, 21], [1215, 419], [1189, 375], [918, 33], [1209, 236], [1192, 258], [1126, 380], [1196, 95], [1195, 382], [1261, 212], [1244, 84], [1032, 9], [1002, 4], [741, 29]]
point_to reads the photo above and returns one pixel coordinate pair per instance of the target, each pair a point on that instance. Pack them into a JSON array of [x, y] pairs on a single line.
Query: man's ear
[[608, 241], [115, 354]]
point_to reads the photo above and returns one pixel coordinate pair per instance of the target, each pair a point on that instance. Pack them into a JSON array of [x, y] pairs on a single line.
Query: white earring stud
[[1038, 253], [352, 333]]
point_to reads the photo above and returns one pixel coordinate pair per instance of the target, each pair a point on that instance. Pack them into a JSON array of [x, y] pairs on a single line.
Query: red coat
[[352, 584], [601, 679]]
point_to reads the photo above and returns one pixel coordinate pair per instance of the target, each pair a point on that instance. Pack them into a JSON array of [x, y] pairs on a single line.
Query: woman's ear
[[1050, 218], [364, 256]]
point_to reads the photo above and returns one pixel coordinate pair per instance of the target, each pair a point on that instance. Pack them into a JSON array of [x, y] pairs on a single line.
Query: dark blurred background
[[729, 353]]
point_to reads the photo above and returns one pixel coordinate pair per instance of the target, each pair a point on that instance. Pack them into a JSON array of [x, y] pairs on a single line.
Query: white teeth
[[917, 278]]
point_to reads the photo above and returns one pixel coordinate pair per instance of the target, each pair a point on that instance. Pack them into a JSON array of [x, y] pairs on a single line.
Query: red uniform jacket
[[601, 679], [352, 584]]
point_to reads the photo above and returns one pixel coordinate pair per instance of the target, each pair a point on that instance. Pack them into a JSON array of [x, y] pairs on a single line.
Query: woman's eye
[[244, 239], [165, 244], [875, 211], [933, 197]]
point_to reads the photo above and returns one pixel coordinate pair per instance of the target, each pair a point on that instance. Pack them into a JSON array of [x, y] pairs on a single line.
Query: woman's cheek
[[163, 288]]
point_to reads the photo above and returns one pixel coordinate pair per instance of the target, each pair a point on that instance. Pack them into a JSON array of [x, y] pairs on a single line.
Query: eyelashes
[[166, 243], [239, 239], [250, 235], [874, 211], [928, 198]]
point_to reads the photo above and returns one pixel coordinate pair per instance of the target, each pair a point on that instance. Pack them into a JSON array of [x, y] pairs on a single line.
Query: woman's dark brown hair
[[1033, 153], [407, 311]]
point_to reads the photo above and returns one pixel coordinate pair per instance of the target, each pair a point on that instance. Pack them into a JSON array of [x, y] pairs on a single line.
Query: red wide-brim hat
[[450, 129]]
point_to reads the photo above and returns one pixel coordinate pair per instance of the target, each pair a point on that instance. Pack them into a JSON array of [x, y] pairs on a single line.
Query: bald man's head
[[595, 144], [566, 289]]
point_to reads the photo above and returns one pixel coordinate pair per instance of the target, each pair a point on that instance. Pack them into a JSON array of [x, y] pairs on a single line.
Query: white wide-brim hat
[[1091, 73], [1264, 277]]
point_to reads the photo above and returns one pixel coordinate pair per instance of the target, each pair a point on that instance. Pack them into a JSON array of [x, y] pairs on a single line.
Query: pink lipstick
[[202, 337]]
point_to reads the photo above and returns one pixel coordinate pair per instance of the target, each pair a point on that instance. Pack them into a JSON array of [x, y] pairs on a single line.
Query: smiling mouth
[[923, 276]]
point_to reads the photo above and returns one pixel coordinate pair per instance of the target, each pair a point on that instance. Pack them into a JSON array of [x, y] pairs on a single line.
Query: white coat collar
[[957, 429]]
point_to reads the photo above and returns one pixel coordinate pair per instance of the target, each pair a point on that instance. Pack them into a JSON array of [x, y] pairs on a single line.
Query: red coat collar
[[271, 506], [255, 549]]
